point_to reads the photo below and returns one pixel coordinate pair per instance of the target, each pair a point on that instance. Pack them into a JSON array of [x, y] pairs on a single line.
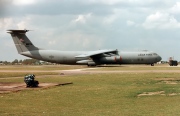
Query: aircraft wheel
[[152, 64], [91, 65]]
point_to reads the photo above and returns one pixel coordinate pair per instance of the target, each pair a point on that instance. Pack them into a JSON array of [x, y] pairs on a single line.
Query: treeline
[[22, 62]]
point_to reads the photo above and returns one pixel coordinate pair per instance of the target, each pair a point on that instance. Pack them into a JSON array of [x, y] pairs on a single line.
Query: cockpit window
[[154, 54]]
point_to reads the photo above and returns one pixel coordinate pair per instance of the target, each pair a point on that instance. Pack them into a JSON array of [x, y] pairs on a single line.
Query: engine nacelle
[[91, 63], [111, 60]]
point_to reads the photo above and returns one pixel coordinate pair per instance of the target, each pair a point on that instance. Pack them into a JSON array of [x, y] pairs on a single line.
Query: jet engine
[[111, 60]]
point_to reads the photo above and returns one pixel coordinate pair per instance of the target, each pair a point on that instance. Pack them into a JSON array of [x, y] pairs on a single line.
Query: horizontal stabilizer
[[17, 31]]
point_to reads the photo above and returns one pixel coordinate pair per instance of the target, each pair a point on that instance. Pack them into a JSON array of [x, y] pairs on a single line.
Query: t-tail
[[21, 41]]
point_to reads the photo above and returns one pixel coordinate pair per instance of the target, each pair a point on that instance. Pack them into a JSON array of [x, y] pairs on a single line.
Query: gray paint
[[25, 47]]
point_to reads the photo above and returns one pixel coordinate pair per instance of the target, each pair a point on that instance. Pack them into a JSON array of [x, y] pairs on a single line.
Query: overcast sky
[[126, 25]]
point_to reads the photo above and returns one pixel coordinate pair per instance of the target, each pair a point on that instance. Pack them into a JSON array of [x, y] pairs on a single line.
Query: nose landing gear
[[152, 64]]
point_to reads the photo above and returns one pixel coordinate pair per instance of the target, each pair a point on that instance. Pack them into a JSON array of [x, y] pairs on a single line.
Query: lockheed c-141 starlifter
[[91, 58]]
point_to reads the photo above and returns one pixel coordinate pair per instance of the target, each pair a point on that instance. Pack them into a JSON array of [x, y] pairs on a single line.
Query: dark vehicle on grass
[[173, 62], [30, 82]]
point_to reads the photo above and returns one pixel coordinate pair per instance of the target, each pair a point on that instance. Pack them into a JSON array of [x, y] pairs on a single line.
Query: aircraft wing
[[99, 53]]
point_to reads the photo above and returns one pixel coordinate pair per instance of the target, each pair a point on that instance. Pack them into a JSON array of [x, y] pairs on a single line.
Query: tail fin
[[21, 41]]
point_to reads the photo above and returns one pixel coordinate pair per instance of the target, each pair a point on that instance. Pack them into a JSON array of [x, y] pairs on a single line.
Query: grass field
[[40, 67], [114, 94], [22, 74]]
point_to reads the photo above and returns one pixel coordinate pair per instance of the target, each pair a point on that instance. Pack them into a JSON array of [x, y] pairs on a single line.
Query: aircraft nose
[[159, 58]]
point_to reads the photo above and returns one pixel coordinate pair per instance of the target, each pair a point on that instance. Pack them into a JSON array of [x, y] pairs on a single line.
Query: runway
[[97, 70]]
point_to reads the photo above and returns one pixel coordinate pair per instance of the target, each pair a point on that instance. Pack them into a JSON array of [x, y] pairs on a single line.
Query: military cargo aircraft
[[91, 58]]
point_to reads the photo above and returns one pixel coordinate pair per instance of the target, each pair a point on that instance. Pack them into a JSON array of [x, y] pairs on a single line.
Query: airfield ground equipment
[[173, 62], [30, 80]]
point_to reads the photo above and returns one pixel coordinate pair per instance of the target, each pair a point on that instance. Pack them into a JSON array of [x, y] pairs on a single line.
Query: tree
[[29, 61], [15, 61], [20, 61], [6, 62]]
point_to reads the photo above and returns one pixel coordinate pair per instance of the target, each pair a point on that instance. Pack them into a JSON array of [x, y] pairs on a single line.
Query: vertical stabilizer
[[21, 41]]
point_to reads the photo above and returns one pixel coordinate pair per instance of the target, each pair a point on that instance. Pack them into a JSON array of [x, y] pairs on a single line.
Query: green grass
[[96, 95], [41, 67], [22, 74]]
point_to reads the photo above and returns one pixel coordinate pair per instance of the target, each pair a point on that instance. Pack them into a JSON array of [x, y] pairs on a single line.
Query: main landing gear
[[152, 64], [91, 65]]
